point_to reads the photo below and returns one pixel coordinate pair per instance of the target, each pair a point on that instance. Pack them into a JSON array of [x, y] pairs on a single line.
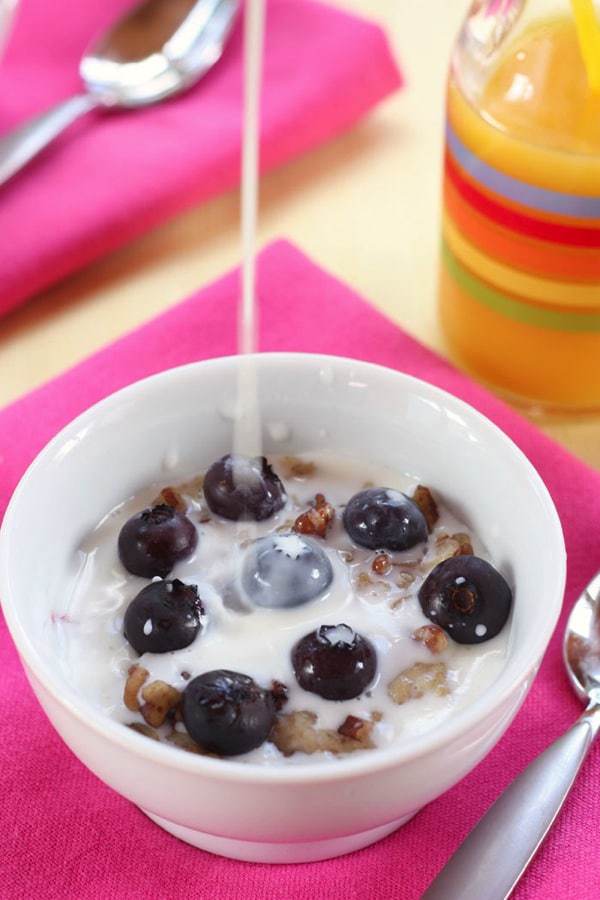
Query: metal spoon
[[158, 49], [491, 860]]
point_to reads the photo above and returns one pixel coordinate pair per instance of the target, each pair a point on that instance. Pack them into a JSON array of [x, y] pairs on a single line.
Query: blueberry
[[237, 487], [227, 712], [383, 519], [164, 616], [334, 662], [466, 597], [152, 541], [285, 570]]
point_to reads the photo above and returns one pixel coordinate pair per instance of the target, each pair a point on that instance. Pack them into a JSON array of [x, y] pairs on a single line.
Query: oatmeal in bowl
[[269, 609], [281, 658]]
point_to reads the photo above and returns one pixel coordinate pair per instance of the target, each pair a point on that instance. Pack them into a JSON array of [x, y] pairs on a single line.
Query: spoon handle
[[18, 147], [490, 861]]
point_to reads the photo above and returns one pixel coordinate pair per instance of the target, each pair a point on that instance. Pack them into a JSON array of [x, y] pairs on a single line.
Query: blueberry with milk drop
[[163, 617], [334, 662], [285, 570], [364, 615], [468, 598], [239, 488]]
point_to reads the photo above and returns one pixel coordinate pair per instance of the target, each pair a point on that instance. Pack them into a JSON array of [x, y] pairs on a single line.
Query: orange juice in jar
[[520, 271]]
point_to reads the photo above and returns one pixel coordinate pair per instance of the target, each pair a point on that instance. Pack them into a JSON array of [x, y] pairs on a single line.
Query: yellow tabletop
[[365, 206]]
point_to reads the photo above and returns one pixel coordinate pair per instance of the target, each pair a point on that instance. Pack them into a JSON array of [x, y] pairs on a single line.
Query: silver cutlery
[[489, 863], [158, 49]]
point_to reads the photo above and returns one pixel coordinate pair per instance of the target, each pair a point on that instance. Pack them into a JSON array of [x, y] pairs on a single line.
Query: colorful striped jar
[[520, 273]]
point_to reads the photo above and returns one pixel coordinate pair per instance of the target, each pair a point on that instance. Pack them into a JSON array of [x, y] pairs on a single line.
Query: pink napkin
[[112, 177], [64, 834]]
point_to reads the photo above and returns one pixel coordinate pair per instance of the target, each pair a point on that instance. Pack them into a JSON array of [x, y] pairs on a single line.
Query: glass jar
[[520, 272]]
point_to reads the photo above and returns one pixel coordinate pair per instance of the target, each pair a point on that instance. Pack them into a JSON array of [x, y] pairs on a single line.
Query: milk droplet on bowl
[[279, 431], [326, 376], [228, 411], [170, 460]]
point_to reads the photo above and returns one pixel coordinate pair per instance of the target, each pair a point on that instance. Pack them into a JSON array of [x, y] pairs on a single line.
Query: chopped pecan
[[193, 487], [448, 545], [382, 564], [419, 679], [170, 496], [409, 566], [356, 728], [346, 555], [465, 547], [297, 733], [160, 698], [374, 587], [141, 728], [136, 676], [399, 600], [285, 527], [445, 547], [279, 692], [405, 579], [434, 638], [184, 741], [424, 500], [293, 467], [317, 519]]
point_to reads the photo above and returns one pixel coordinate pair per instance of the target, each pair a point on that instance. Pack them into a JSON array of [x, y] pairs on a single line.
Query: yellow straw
[[588, 33]]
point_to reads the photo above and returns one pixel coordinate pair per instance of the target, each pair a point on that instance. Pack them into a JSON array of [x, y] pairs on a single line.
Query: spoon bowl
[[156, 50], [581, 647]]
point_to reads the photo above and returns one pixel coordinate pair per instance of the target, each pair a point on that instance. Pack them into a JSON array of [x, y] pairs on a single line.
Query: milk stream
[[247, 431]]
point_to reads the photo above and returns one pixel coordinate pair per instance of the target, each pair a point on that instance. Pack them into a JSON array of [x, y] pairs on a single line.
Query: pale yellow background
[[365, 206]]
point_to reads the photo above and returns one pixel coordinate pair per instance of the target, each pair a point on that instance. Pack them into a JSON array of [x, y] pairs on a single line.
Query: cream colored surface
[[365, 206]]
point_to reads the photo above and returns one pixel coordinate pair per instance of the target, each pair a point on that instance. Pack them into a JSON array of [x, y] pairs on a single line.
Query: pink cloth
[[64, 834], [112, 177]]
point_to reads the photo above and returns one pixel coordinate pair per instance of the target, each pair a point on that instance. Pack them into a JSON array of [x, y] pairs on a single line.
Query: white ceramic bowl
[[284, 813]]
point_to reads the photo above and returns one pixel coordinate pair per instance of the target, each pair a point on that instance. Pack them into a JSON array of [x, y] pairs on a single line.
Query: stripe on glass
[[546, 291], [509, 218], [576, 264], [573, 205], [526, 313]]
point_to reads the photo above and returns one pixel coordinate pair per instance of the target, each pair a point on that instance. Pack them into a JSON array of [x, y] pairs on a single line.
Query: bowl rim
[[231, 769]]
